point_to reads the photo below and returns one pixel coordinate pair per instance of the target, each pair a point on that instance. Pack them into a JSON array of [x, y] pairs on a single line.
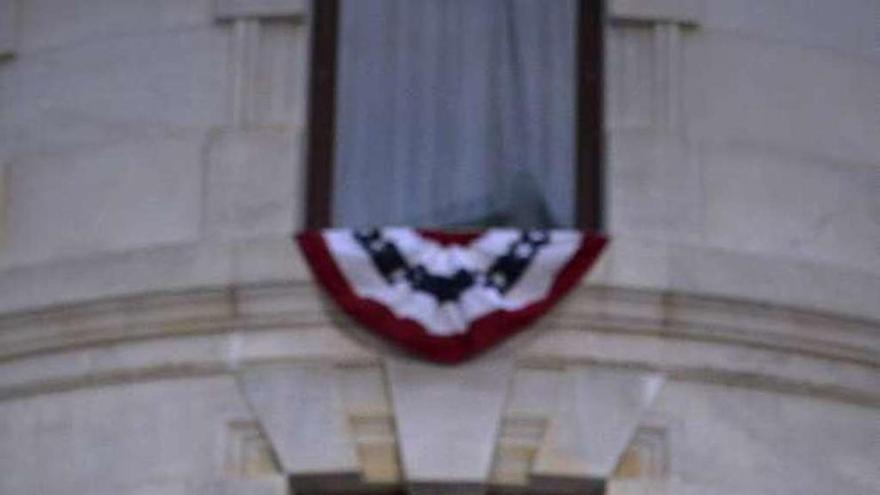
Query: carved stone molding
[[439, 443], [561, 409], [267, 54], [221, 331]]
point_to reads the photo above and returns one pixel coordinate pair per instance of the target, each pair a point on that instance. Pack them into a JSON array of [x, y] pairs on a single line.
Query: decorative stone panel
[[646, 456], [301, 410], [331, 426], [267, 70], [371, 423], [645, 63], [569, 423], [254, 159], [442, 441]]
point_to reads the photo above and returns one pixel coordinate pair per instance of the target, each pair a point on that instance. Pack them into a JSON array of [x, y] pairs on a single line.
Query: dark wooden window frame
[[589, 121]]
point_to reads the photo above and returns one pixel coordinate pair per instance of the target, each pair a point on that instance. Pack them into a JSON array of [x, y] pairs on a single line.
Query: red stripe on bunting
[[445, 238]]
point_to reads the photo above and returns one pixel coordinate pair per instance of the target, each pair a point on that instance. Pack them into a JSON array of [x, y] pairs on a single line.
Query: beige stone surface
[[128, 439], [564, 402], [118, 197], [231, 9], [114, 91], [448, 417], [301, 409], [844, 26], [597, 416], [733, 440], [52, 24], [253, 181], [678, 11], [8, 28], [153, 306], [717, 151]]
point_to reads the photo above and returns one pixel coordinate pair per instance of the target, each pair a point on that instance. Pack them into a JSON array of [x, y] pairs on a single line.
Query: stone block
[[633, 262], [52, 24], [809, 101], [134, 88], [848, 27], [535, 392], [231, 9], [448, 418], [785, 204], [169, 267], [268, 258], [123, 196], [655, 186], [734, 440], [254, 178], [775, 279], [114, 274], [597, 417], [128, 438], [302, 412], [372, 422]]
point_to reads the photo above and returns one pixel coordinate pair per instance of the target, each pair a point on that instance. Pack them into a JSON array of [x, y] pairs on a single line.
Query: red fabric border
[[446, 238], [410, 335]]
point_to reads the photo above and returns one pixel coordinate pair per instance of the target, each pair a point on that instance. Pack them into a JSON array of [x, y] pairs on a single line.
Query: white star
[[537, 236], [523, 250]]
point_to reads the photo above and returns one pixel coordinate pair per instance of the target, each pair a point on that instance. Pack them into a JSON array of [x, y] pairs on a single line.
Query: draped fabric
[[455, 112], [447, 297]]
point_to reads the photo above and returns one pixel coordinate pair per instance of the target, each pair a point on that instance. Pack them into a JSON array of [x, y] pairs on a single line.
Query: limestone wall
[[743, 157], [155, 145], [160, 334], [141, 143], [240, 391]]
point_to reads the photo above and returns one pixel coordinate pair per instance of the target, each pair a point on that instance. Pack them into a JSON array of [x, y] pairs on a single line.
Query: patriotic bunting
[[447, 296]]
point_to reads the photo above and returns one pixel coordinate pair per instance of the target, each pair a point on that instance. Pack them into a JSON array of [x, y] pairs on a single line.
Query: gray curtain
[[455, 113]]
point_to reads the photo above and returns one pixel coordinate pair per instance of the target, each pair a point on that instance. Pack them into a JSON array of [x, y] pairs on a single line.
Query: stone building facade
[[159, 333]]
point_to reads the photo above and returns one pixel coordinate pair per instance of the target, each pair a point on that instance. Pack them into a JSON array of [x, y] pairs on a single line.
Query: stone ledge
[[301, 306], [676, 362], [212, 331]]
